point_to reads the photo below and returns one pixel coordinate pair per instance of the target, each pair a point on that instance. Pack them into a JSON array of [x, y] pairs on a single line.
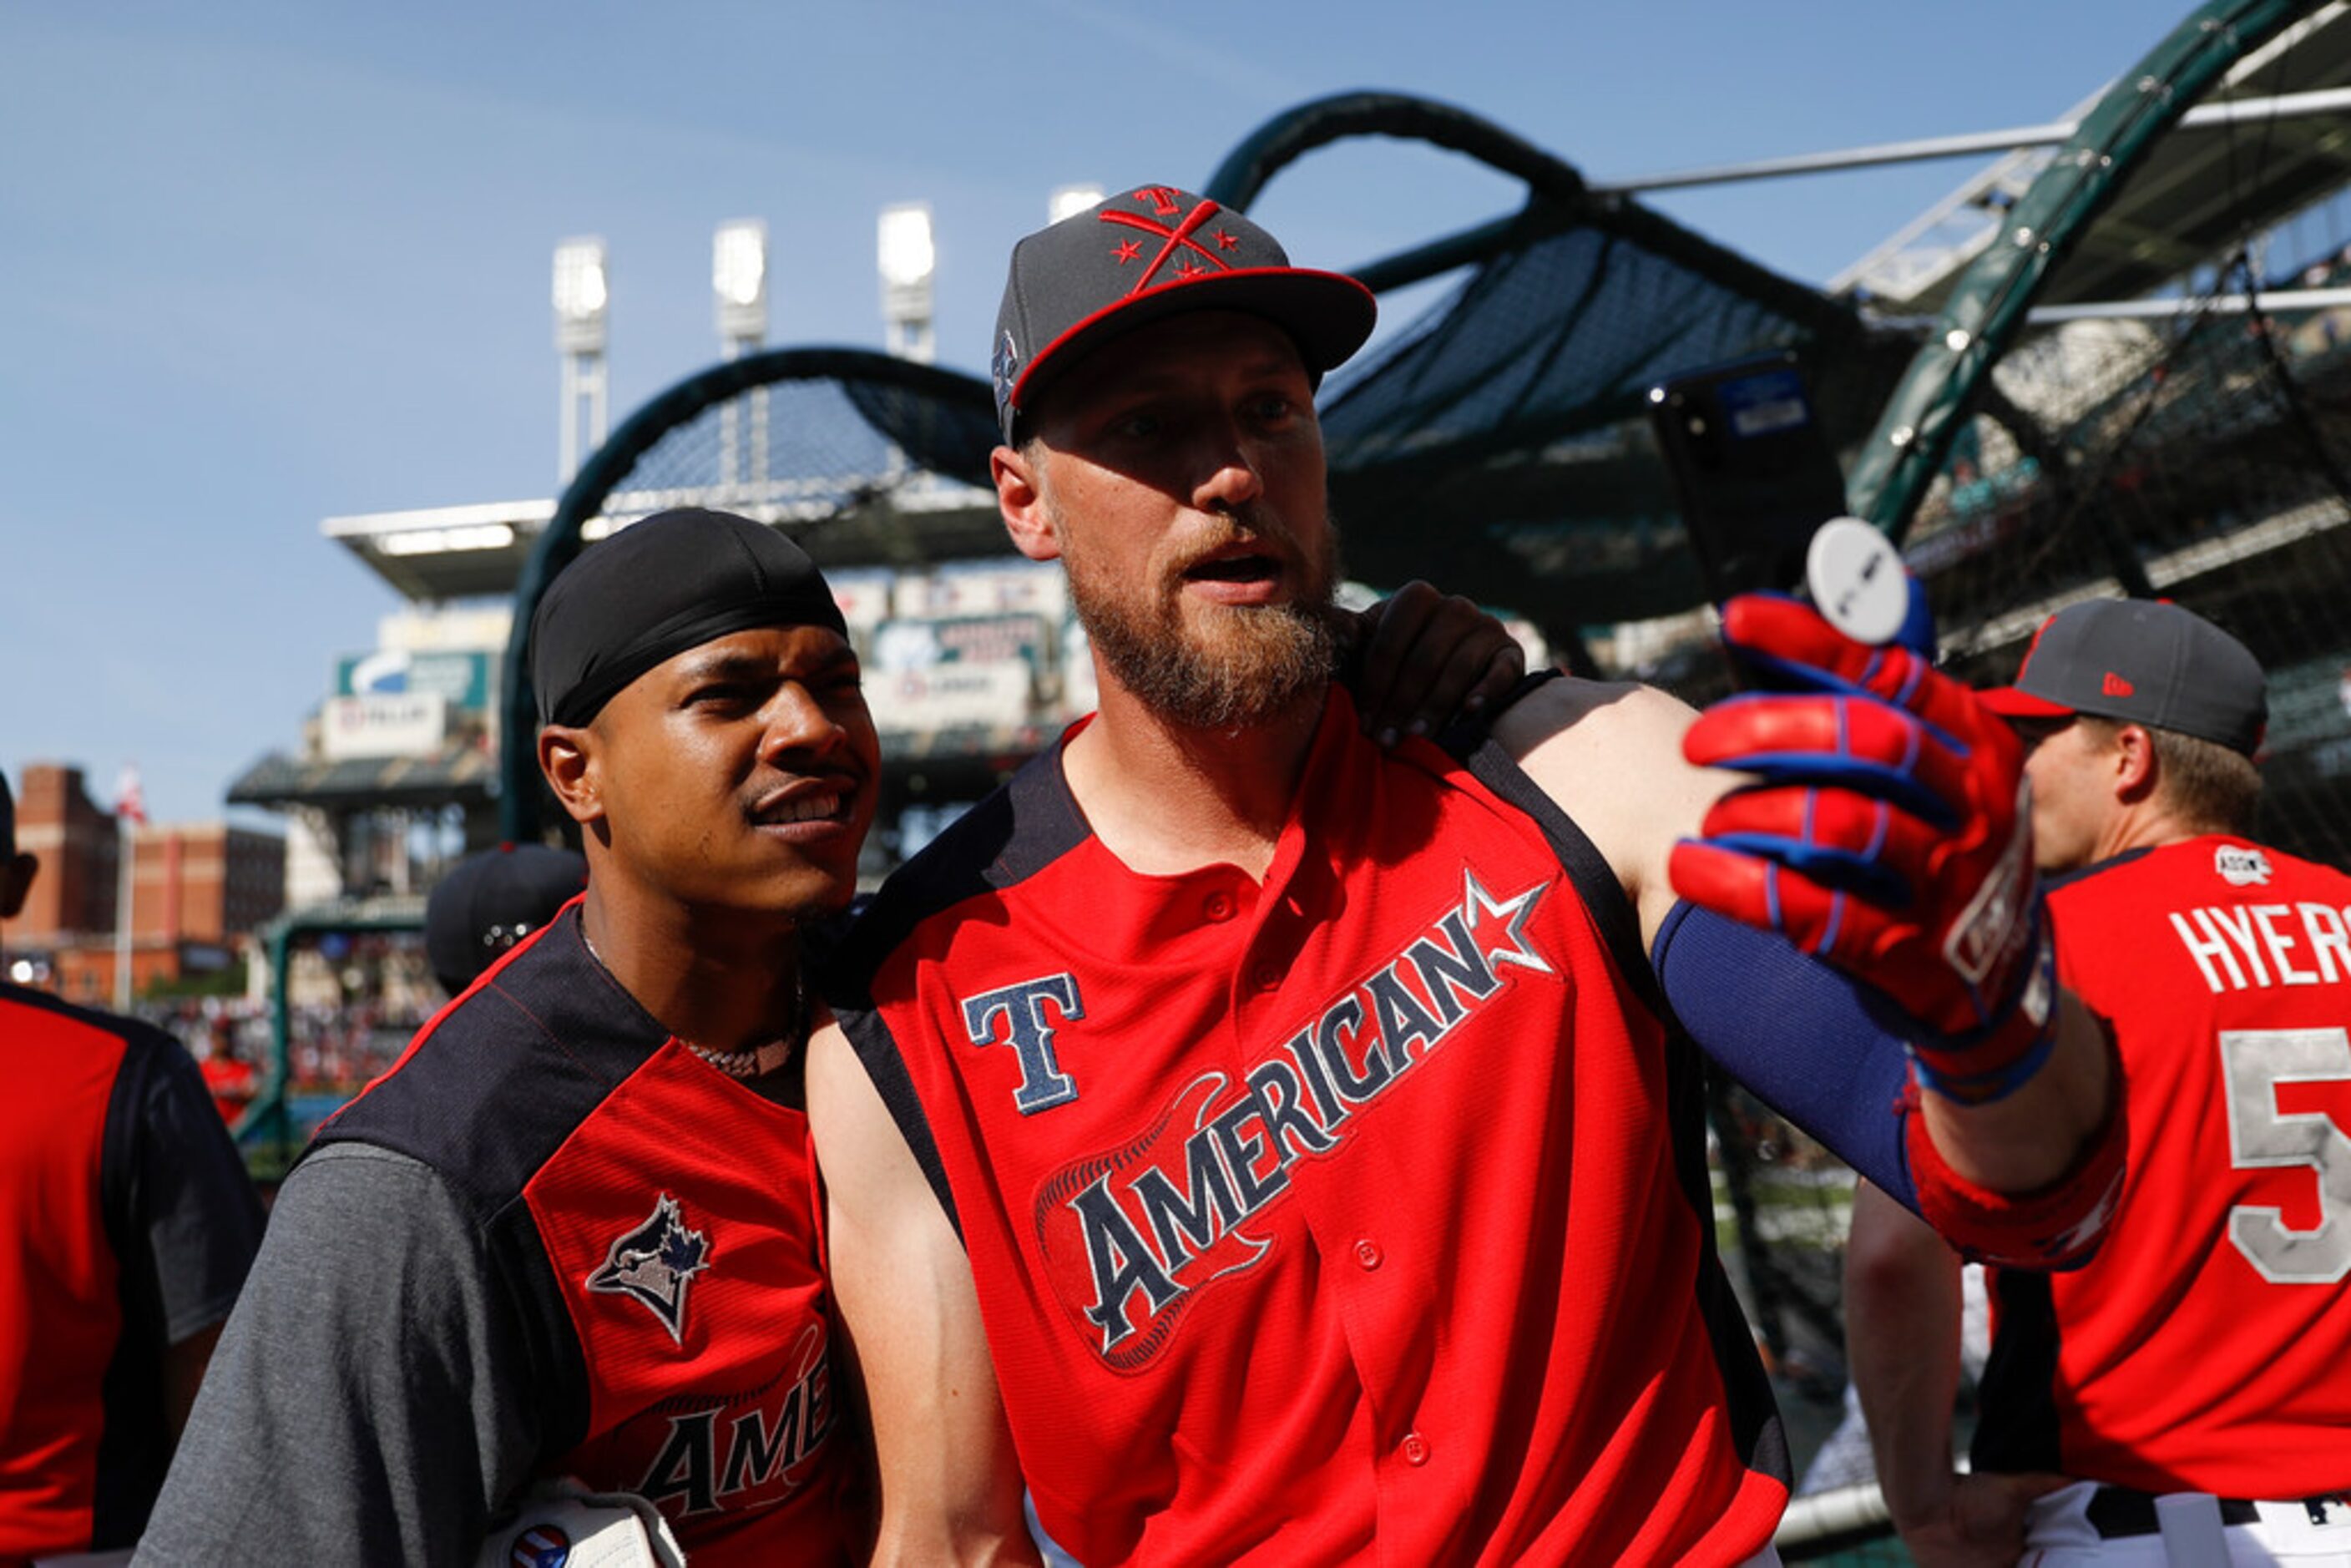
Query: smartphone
[[1751, 470]]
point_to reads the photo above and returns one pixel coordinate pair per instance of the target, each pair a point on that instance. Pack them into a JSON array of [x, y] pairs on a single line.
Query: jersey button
[[1266, 977], [1416, 1448], [1217, 906], [1368, 1253]]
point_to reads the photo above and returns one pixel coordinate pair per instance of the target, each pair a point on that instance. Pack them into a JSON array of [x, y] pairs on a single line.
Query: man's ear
[[16, 881], [566, 757], [2135, 763], [1020, 497]]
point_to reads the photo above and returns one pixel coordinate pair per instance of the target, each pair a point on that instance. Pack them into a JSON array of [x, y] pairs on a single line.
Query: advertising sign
[[963, 640], [407, 723], [950, 696], [1033, 587], [466, 679]]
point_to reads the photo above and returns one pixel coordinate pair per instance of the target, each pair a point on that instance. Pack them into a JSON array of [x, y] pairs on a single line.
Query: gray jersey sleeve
[[369, 1399], [191, 1198]]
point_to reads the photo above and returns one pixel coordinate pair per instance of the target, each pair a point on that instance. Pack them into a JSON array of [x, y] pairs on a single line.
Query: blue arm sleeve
[[1794, 1032]]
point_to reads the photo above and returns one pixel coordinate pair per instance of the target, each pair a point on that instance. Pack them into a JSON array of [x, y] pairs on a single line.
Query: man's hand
[[1978, 1523], [1887, 831], [1423, 659]]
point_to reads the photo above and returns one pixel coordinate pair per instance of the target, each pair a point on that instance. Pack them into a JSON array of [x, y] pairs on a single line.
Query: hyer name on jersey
[[1130, 1235], [2236, 946]]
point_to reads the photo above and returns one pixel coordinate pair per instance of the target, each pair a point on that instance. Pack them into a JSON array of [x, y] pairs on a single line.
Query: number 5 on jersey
[[2254, 1062]]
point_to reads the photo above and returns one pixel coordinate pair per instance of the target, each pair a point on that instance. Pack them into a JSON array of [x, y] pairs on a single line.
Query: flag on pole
[[130, 804]]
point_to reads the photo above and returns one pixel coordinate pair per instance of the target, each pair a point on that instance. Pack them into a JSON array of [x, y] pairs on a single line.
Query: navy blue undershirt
[[1794, 1032]]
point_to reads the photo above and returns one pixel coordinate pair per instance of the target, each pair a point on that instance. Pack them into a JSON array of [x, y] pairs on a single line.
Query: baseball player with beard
[[575, 1231], [1274, 1149], [2200, 1358]]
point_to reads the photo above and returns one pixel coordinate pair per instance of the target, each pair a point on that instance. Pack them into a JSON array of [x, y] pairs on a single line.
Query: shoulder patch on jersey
[[654, 1263], [2242, 867]]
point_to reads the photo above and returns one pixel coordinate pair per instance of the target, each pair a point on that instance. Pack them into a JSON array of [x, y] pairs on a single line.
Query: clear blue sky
[[262, 264]]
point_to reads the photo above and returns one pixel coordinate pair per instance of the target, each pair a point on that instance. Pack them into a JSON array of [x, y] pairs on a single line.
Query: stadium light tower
[[908, 263], [1068, 201], [738, 275], [582, 299], [738, 278]]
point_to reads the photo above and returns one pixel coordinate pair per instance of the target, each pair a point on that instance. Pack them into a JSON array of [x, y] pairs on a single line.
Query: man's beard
[[1232, 667]]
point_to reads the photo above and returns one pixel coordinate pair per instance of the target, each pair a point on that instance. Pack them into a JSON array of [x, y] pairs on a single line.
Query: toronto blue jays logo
[[1131, 1236], [654, 1263]]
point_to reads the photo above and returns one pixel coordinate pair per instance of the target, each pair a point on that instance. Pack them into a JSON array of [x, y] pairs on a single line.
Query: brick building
[[198, 888]]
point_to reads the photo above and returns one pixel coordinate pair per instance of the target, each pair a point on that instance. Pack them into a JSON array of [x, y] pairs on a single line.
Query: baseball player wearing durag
[[2203, 1349], [1297, 1124], [574, 1231]]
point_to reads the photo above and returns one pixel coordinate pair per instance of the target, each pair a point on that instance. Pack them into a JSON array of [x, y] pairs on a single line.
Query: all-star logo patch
[[1004, 368], [654, 1264], [2240, 867]]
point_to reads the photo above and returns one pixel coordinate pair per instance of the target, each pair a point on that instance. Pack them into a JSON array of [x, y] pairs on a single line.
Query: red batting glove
[[1889, 832]]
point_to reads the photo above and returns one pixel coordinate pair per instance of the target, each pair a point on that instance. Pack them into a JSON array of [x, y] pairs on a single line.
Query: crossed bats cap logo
[[1146, 254]]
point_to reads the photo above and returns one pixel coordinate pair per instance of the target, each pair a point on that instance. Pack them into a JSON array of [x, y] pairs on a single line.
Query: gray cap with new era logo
[[2142, 661]]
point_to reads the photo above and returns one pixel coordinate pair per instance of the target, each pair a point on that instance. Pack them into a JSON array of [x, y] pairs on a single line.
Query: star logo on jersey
[[654, 1264], [1477, 906]]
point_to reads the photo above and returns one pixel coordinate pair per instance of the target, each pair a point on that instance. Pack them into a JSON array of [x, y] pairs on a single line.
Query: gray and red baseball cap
[[1145, 254], [2141, 661]]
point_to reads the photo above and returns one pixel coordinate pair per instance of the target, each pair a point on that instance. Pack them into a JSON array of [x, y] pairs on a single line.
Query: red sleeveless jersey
[[60, 1317], [1352, 1215], [659, 1228], [2204, 1348]]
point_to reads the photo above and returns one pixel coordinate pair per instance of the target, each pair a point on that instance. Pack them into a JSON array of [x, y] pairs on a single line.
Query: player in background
[[1296, 1123], [127, 1224], [2204, 1349], [490, 901]]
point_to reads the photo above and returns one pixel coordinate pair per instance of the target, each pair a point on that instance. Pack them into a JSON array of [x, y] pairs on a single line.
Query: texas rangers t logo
[[1043, 1084]]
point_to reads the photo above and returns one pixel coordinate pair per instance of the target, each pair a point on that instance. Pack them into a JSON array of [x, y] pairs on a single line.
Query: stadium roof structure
[[2190, 194], [455, 773], [1497, 443], [441, 554]]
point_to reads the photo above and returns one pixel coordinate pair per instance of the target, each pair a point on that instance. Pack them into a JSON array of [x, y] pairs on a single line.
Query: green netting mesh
[[2204, 460], [1498, 443], [1502, 438]]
